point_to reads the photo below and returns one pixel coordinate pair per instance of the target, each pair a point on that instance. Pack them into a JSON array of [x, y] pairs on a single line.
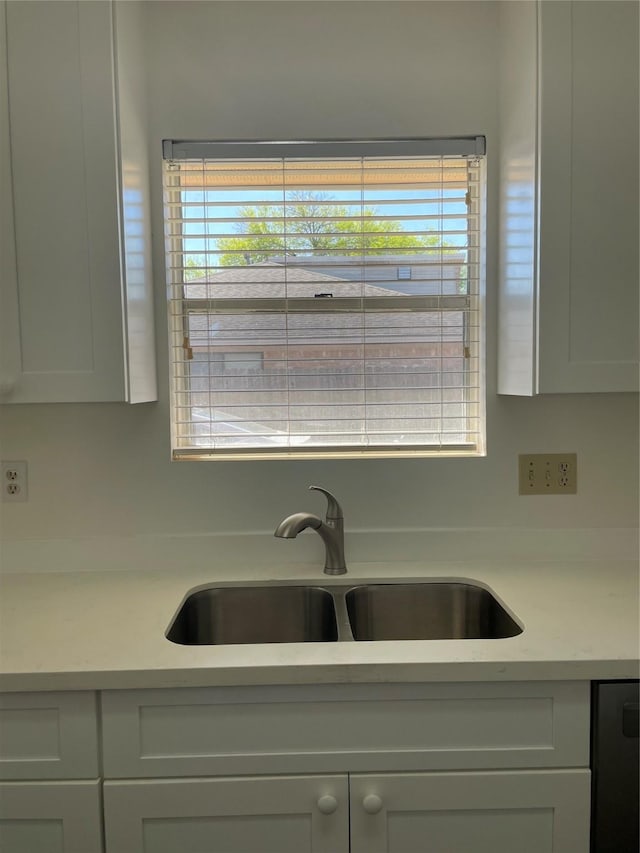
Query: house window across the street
[[324, 297]]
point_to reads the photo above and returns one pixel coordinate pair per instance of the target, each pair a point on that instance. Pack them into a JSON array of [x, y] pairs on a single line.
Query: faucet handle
[[334, 510]]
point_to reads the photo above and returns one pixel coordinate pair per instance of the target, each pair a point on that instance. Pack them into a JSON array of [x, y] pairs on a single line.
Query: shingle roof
[[272, 281]]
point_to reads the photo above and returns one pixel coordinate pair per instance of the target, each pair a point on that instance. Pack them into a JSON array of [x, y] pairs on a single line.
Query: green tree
[[314, 224], [194, 268]]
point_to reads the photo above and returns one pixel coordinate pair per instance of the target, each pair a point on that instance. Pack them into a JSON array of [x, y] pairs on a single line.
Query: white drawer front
[[50, 817], [339, 728], [48, 736]]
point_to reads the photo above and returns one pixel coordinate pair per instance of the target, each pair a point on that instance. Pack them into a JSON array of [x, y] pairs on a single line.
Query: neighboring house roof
[[273, 281], [429, 273], [311, 329]]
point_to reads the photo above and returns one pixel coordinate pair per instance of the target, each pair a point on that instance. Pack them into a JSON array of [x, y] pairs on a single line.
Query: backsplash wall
[[99, 469], [296, 70]]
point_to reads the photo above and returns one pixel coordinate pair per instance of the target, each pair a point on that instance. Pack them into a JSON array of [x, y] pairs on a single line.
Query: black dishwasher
[[615, 767]]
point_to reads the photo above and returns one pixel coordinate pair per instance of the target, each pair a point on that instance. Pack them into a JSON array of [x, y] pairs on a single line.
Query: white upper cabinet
[[568, 311], [76, 304]]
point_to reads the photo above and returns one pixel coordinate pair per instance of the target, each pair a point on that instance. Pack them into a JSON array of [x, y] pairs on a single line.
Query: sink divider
[[339, 596]]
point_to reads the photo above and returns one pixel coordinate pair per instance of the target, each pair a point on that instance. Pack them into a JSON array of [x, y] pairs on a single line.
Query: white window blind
[[324, 297]]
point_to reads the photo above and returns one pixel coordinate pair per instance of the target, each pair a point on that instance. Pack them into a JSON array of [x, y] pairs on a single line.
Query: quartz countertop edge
[[106, 630]]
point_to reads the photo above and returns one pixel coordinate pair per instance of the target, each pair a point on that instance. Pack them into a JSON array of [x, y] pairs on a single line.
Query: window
[[324, 297]]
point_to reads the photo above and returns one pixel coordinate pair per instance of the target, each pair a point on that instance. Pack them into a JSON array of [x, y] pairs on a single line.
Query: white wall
[[295, 70]]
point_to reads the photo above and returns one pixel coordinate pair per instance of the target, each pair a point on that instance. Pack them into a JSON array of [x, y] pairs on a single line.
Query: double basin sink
[[298, 613]]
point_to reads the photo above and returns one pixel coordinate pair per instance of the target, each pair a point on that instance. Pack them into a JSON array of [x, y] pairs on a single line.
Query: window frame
[[474, 361]]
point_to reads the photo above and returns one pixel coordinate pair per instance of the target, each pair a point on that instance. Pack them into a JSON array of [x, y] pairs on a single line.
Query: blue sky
[[387, 202]]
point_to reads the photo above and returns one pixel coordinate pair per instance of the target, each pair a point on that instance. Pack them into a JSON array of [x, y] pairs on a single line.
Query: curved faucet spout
[[290, 526], [331, 531]]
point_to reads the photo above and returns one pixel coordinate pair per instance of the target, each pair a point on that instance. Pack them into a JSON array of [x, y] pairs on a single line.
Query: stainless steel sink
[[255, 614], [298, 613], [427, 611]]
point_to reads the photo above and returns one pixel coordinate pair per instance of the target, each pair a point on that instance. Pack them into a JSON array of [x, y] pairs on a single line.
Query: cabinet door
[[62, 338], [293, 814], [588, 197], [50, 817], [493, 812], [568, 308]]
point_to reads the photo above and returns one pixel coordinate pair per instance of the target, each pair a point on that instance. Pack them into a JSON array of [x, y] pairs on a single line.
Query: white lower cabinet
[[50, 797], [378, 768], [50, 817], [278, 814], [491, 812]]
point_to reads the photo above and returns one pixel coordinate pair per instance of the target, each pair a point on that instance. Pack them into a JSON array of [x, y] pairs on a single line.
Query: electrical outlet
[[13, 476], [548, 473]]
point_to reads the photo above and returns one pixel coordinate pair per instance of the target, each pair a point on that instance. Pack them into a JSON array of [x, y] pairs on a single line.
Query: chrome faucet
[[331, 530]]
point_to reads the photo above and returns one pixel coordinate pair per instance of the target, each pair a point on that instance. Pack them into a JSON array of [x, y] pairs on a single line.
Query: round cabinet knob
[[327, 804], [372, 804]]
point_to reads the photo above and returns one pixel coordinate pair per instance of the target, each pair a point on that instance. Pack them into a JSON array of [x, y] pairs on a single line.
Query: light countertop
[[106, 629]]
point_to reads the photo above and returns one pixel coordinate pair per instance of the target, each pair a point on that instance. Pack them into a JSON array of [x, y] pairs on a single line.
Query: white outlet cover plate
[[13, 476]]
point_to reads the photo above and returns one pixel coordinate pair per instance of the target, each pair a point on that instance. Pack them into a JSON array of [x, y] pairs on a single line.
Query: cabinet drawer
[[50, 817], [48, 736], [337, 728]]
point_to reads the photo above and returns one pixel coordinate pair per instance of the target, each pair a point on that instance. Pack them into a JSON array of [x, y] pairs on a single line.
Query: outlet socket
[[13, 476], [548, 473]]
